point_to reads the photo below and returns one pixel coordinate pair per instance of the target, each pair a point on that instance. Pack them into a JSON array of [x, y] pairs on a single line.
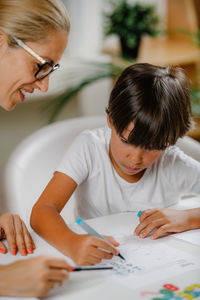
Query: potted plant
[[130, 22]]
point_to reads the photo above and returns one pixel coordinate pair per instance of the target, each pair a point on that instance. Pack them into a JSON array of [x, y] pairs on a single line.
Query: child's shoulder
[[173, 151], [95, 135], [173, 155]]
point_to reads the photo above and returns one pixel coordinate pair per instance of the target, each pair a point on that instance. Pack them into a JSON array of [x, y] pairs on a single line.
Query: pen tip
[[121, 256]]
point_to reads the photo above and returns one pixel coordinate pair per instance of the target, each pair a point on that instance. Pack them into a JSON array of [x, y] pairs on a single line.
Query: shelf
[[168, 51]]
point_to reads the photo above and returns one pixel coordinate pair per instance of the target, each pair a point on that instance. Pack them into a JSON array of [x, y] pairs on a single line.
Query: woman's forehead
[[52, 47]]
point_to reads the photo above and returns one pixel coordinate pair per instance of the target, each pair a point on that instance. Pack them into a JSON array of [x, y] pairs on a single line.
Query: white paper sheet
[[148, 261], [191, 236]]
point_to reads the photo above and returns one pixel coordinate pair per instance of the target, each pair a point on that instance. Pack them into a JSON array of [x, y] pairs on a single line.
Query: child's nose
[[136, 156], [43, 84]]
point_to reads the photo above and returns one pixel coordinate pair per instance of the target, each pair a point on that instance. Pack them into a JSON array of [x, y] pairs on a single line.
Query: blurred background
[[106, 36]]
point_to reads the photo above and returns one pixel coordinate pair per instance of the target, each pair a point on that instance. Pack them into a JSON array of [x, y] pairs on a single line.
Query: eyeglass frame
[[39, 58]]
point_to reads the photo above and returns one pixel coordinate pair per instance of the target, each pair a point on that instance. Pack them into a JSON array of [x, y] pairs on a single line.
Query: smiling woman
[[43, 28], [33, 37]]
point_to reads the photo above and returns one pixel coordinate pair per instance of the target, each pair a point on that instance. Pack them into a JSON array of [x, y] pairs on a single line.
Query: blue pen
[[92, 232], [139, 213]]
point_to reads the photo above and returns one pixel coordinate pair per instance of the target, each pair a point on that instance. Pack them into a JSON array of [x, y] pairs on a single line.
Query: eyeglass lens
[[45, 70]]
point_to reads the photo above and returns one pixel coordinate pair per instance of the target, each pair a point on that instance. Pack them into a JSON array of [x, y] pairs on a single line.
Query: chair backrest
[[32, 163]]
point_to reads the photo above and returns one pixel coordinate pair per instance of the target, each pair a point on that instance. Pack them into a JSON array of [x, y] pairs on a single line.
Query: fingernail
[[14, 252], [71, 268], [30, 250], [2, 250], [24, 252]]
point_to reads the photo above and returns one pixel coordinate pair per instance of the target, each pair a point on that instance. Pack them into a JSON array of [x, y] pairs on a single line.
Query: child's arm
[[47, 222], [167, 220]]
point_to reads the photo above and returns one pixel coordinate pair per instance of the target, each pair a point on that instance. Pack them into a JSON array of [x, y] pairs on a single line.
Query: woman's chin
[[9, 106]]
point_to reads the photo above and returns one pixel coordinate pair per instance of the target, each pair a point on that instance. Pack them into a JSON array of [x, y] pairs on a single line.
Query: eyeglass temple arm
[[29, 50]]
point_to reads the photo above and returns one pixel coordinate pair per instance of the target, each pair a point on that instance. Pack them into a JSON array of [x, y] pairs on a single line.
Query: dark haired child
[[130, 165]]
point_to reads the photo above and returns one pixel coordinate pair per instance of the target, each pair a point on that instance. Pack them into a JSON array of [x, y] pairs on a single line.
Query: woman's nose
[[43, 84]]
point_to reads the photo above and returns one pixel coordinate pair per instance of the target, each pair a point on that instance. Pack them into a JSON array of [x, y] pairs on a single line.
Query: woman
[[33, 36]]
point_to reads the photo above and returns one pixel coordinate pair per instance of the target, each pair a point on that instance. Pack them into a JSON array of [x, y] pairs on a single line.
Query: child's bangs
[[152, 135]]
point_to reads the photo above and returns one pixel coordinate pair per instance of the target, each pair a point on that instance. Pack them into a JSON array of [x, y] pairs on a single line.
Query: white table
[[97, 284]]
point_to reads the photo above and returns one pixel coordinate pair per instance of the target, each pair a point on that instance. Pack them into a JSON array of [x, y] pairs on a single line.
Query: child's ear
[[108, 121]]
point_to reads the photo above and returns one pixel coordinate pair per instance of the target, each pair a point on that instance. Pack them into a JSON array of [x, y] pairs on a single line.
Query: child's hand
[[162, 221], [90, 250]]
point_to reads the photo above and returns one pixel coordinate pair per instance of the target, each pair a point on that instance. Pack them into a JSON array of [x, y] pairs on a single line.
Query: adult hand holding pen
[[13, 229], [90, 250], [32, 277]]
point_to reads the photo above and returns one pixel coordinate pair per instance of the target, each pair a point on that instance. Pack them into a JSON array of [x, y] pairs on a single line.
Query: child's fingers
[[104, 245], [112, 240], [147, 217], [94, 260], [160, 231], [147, 226], [140, 228], [3, 248], [100, 254], [146, 213], [151, 227]]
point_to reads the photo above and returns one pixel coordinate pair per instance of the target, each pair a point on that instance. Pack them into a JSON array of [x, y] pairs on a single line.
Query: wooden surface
[[176, 48]]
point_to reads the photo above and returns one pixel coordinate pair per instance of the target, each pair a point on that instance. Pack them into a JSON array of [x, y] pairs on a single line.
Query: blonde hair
[[32, 20]]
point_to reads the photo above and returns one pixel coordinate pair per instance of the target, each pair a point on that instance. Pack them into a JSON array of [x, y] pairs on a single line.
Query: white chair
[[32, 163]]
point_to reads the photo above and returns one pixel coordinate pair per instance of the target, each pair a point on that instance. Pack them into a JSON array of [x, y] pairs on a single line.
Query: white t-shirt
[[101, 191]]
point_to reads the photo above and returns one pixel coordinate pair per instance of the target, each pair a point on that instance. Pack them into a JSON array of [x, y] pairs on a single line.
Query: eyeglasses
[[45, 67]]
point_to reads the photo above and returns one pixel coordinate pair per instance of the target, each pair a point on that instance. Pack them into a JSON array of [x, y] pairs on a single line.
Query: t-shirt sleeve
[[77, 160], [183, 172]]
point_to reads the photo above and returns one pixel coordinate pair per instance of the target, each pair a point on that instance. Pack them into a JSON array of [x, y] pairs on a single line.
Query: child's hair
[[157, 101]]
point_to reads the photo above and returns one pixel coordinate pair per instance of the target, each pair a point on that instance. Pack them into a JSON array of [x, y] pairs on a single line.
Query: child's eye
[[123, 140]]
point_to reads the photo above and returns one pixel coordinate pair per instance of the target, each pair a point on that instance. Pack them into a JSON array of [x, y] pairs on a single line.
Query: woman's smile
[[23, 92]]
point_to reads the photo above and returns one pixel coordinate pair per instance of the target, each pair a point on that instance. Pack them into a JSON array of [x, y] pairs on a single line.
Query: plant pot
[[129, 52]]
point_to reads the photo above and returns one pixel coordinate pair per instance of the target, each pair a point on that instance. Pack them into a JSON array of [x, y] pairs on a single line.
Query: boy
[[129, 166]]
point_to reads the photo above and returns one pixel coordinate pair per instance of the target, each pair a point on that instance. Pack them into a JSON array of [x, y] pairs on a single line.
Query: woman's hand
[[32, 277], [90, 250], [162, 221], [13, 229]]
